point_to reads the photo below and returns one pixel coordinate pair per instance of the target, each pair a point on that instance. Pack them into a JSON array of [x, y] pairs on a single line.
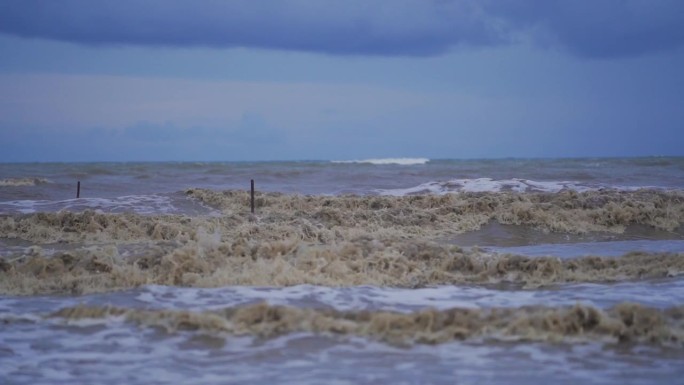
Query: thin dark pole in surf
[[252, 196], [78, 189]]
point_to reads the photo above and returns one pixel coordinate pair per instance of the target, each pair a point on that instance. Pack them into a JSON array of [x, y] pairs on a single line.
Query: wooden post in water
[[252, 196], [78, 189]]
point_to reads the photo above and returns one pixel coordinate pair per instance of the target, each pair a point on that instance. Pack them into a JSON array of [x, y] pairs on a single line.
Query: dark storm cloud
[[402, 27], [597, 28]]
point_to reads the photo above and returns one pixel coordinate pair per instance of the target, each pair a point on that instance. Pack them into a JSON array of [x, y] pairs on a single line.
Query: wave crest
[[206, 260], [623, 323], [331, 241], [385, 161], [488, 185], [17, 182]]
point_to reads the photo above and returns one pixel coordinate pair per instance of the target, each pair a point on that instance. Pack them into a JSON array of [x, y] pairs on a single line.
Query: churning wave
[[498, 185]]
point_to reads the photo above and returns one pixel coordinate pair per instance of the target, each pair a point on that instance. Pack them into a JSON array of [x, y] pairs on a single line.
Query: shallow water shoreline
[[505, 280]]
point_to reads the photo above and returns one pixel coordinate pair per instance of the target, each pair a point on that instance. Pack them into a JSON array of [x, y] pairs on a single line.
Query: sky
[[244, 80]]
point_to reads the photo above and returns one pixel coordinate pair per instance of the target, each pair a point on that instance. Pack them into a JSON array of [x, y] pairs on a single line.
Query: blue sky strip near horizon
[[305, 79]]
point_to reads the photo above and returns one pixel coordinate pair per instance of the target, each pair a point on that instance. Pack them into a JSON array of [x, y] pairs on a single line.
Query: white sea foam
[[658, 294], [604, 249], [140, 204], [486, 185], [655, 294], [383, 161]]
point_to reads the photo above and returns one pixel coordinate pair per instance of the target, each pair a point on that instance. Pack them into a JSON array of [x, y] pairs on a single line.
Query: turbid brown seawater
[[347, 240], [507, 271]]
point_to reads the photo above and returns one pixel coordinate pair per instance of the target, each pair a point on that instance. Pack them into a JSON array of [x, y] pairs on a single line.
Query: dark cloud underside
[[597, 28]]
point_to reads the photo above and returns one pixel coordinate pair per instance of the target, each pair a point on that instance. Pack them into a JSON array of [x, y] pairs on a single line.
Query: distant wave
[[16, 182], [382, 161]]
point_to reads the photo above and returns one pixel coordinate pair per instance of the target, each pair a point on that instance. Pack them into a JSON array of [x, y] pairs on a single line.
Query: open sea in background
[[39, 350]]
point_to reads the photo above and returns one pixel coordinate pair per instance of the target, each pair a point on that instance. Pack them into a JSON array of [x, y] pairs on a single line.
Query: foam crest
[[605, 248], [329, 241], [328, 219], [655, 294], [363, 261], [624, 323], [487, 185], [140, 204], [435, 216]]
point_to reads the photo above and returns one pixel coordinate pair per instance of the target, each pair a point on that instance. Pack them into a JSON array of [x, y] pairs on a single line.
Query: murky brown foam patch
[[326, 219], [624, 323], [362, 261], [332, 241]]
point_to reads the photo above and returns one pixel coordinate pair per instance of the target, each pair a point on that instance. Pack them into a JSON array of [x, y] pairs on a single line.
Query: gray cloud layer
[[596, 28]]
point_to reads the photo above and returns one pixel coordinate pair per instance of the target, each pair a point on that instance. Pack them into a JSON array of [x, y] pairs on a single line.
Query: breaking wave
[[329, 241], [140, 204], [318, 287], [623, 323], [148, 204], [328, 219], [492, 185], [17, 182], [434, 216], [207, 261], [384, 161]]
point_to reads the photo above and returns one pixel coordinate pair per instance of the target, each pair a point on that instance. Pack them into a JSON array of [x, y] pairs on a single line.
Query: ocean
[[405, 271]]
